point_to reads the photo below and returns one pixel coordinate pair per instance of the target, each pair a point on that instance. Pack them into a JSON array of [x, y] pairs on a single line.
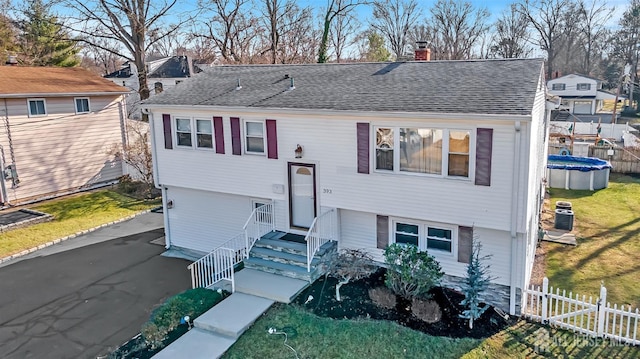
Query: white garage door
[[582, 107]]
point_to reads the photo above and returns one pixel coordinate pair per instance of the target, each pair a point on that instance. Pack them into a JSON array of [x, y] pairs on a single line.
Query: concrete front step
[[234, 315], [281, 257], [267, 285], [282, 246], [197, 344], [282, 269]]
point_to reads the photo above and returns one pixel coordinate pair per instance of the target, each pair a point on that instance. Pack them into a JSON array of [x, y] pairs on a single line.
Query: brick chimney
[[12, 60], [422, 52]]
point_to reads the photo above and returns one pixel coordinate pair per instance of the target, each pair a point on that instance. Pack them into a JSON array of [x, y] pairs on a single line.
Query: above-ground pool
[[571, 172]]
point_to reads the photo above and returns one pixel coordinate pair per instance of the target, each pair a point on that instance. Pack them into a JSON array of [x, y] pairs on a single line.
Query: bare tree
[[456, 26], [165, 42], [136, 153], [594, 19], [335, 9], [511, 37], [546, 18], [232, 27], [343, 34], [393, 19], [104, 61], [125, 22], [284, 19]]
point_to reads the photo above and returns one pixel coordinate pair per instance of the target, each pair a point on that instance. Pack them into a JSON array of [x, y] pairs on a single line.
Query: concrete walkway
[[218, 329]]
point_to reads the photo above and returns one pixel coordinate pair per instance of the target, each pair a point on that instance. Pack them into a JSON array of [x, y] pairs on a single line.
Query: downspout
[[156, 179], [514, 218], [4, 198]]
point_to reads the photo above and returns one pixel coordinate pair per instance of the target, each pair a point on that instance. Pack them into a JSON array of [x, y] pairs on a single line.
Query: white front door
[[302, 194]]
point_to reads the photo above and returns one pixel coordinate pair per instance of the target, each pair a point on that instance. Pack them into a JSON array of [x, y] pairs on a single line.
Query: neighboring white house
[[581, 95], [425, 153], [162, 74], [58, 127]]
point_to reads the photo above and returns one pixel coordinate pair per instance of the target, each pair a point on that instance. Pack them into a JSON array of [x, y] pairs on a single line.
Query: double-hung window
[[427, 237], [82, 105], [425, 150], [37, 107], [558, 87], [254, 137], [204, 133], [183, 132]]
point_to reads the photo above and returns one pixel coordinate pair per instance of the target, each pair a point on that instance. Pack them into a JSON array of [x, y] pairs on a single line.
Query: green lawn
[[607, 223], [315, 337], [72, 214], [322, 338]]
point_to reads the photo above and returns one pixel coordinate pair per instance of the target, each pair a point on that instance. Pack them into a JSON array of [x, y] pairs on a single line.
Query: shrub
[[167, 317], [351, 265], [426, 310], [383, 297], [411, 273]]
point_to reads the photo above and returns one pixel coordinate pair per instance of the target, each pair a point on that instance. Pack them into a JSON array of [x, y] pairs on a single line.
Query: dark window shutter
[[236, 141], [465, 244], [484, 148], [272, 139], [382, 240], [363, 147], [219, 134], [166, 124]]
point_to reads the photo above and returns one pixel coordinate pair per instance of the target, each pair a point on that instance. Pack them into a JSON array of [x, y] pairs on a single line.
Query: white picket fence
[[595, 318]]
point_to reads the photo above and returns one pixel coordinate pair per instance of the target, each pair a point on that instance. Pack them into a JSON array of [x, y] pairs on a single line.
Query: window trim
[[194, 132], [561, 86], [423, 228], [444, 171], [245, 135], [586, 85], [44, 102], [75, 103]]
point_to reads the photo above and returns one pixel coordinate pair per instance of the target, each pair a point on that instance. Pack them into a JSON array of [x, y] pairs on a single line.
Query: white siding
[[202, 221], [61, 151], [358, 231], [329, 142], [571, 82]]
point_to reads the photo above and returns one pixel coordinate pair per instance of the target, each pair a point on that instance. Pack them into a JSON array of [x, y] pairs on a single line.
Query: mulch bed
[[357, 304]]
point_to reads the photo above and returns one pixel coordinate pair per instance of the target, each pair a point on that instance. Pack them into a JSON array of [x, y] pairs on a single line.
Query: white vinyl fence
[[595, 318]]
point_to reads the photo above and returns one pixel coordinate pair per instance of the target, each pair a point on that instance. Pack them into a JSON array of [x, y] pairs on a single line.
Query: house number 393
[[327, 190]]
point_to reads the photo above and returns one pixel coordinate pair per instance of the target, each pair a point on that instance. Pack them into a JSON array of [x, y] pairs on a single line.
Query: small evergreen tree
[[475, 283]]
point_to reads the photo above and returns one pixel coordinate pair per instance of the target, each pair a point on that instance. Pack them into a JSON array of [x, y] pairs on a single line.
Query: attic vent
[[292, 84]]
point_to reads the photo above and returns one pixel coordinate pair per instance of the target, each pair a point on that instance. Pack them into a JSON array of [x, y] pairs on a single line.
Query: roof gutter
[[63, 94], [341, 113]]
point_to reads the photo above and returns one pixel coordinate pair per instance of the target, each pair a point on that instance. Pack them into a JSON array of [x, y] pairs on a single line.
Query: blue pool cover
[[574, 163]]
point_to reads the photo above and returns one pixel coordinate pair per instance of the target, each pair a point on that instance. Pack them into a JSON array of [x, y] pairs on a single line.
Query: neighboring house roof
[[504, 86], [175, 66], [576, 75], [18, 81], [123, 73]]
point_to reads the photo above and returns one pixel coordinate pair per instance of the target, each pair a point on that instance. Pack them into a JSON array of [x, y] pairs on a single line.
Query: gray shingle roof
[[478, 86]]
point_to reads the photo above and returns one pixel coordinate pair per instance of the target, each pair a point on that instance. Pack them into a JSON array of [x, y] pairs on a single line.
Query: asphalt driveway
[[85, 300]]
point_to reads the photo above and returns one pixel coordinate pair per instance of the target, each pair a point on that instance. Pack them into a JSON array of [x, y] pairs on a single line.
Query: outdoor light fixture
[[169, 203], [298, 151]]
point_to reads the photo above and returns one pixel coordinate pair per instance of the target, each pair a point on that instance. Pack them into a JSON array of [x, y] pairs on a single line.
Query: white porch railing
[[219, 264], [593, 318], [323, 229]]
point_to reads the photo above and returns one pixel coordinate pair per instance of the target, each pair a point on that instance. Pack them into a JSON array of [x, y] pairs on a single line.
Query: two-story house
[[581, 95], [422, 153], [58, 128]]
